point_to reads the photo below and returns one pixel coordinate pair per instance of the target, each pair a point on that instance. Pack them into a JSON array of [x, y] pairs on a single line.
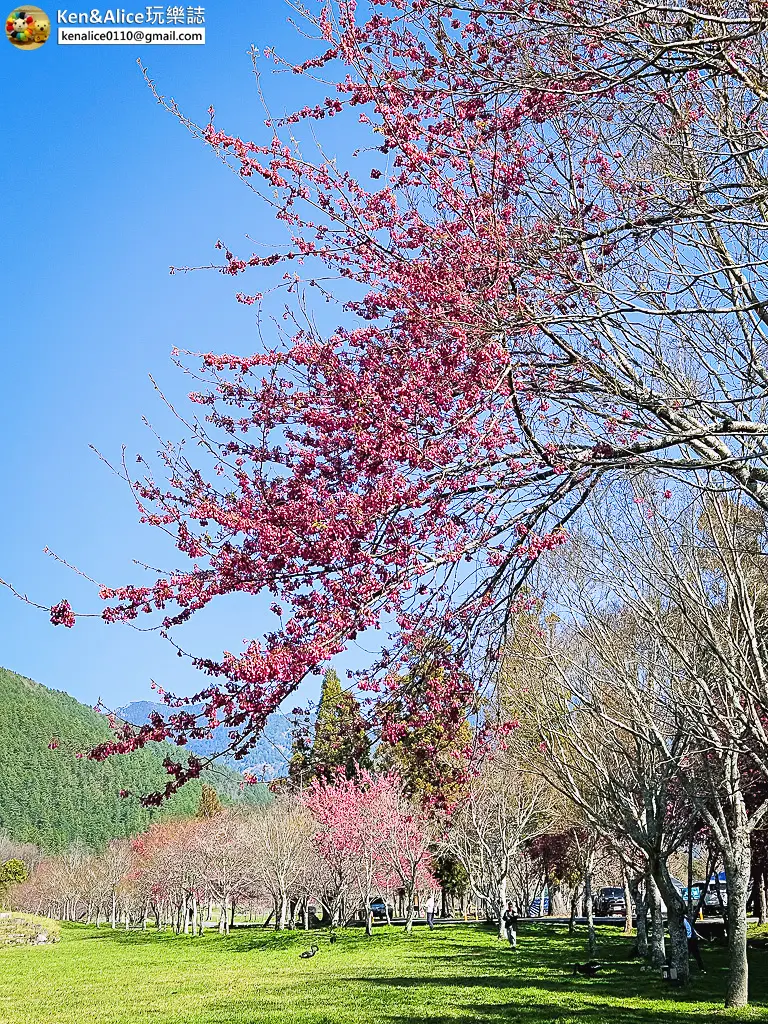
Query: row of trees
[[322, 855], [319, 856], [649, 692], [333, 848], [626, 718]]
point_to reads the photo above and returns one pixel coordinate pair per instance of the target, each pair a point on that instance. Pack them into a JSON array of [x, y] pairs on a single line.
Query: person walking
[[431, 911], [510, 923], [693, 944]]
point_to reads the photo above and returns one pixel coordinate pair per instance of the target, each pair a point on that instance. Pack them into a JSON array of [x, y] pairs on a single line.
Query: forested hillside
[[52, 795]]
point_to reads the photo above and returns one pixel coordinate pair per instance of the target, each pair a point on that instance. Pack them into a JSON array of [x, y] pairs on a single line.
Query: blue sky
[[104, 190]]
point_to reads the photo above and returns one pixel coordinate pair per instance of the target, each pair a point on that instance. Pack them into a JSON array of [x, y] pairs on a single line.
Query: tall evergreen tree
[[429, 749], [340, 743]]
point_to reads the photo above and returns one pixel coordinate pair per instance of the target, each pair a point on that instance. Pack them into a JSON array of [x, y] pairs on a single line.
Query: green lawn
[[454, 974]]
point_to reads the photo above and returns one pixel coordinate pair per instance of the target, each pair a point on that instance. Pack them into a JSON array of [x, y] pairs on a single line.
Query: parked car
[[711, 902], [379, 909], [610, 902], [535, 908]]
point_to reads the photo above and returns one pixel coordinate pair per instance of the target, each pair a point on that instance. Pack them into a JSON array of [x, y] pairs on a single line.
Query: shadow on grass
[[240, 941], [435, 975], [536, 984]]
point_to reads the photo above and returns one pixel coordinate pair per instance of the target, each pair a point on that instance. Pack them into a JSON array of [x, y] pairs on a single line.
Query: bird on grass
[[309, 952], [588, 970]]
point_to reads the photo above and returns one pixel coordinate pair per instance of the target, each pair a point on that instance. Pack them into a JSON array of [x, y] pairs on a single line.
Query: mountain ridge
[[268, 759]]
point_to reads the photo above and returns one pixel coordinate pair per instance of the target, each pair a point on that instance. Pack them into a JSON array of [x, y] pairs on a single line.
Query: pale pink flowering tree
[[347, 812], [334, 878], [408, 834]]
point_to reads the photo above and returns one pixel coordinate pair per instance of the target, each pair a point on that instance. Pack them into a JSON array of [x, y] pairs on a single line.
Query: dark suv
[[379, 909], [610, 902]]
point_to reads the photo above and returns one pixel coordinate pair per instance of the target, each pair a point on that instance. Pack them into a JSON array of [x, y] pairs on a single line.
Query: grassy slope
[[452, 975]]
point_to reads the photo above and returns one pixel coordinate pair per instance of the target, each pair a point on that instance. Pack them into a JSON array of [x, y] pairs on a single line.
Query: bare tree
[[698, 588], [504, 809], [612, 745], [281, 836]]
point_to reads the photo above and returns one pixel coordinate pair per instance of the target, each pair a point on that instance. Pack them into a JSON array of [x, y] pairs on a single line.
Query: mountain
[[268, 759], [53, 795]]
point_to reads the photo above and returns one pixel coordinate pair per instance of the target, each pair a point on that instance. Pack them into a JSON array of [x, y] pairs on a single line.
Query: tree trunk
[[641, 915], [574, 909], [113, 915], [678, 941], [758, 896], [502, 903], [556, 899], [657, 945], [282, 914], [409, 914], [591, 937], [737, 870], [627, 904]]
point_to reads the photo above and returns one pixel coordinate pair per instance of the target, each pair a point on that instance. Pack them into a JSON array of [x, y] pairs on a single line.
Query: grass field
[[454, 974]]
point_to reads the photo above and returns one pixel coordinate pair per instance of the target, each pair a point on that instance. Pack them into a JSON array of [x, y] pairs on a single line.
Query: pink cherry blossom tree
[[408, 834], [349, 834]]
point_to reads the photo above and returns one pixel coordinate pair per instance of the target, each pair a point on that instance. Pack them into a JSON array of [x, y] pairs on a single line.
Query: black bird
[[588, 970], [308, 952]]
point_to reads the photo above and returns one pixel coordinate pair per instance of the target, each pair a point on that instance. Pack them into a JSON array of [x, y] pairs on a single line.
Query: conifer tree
[[340, 744], [429, 748], [13, 872]]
